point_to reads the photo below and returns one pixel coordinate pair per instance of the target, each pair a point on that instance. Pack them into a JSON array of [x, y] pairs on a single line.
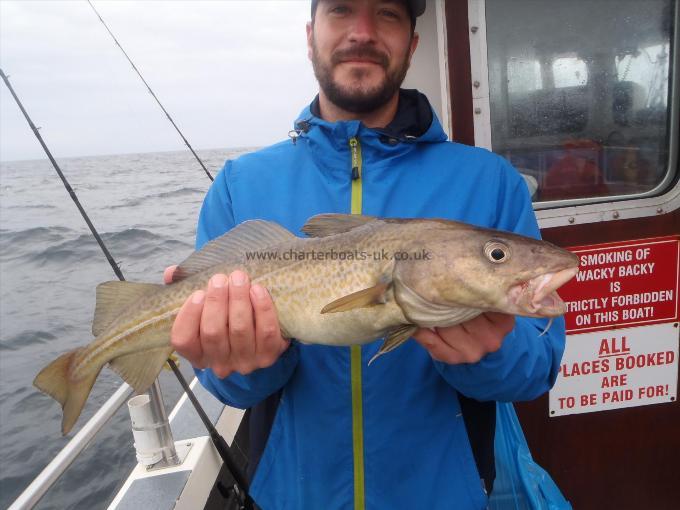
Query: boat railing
[[48, 476]]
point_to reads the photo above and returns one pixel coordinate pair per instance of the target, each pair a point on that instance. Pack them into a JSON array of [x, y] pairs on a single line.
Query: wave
[[181, 192], [25, 338], [131, 243], [34, 235], [177, 193], [33, 206], [17, 245]]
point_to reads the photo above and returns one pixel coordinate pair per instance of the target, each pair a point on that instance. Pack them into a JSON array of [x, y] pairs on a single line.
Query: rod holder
[[154, 444]]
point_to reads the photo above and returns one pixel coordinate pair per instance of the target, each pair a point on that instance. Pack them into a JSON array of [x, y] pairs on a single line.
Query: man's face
[[360, 51]]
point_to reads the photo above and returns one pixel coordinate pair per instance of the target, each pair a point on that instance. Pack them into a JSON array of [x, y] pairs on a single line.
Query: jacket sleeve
[[527, 363], [242, 391]]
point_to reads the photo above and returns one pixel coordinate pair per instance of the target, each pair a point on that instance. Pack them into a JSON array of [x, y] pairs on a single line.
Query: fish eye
[[497, 252]]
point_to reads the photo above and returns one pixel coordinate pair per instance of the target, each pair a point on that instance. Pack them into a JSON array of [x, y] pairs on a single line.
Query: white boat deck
[[187, 485]]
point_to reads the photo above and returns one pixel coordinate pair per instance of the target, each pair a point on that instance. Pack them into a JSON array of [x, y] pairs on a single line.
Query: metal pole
[[40, 485], [241, 482], [170, 457]]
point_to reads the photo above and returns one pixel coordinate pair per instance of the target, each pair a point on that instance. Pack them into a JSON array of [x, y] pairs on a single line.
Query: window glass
[[524, 75], [569, 72], [579, 93]]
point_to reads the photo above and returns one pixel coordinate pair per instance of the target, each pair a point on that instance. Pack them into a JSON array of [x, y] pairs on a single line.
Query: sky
[[230, 73]]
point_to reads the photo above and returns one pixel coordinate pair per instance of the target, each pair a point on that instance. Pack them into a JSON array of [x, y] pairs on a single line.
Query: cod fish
[[354, 279]]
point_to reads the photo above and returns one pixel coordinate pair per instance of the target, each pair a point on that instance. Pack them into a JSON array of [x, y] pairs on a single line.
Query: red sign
[[623, 284]]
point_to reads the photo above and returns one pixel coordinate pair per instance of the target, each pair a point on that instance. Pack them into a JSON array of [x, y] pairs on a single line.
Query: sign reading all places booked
[[622, 328]]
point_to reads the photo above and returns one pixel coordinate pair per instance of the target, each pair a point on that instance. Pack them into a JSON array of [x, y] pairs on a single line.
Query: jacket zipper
[[355, 149], [355, 352]]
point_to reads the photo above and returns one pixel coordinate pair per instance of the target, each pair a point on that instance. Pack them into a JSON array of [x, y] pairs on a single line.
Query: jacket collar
[[414, 121], [328, 142]]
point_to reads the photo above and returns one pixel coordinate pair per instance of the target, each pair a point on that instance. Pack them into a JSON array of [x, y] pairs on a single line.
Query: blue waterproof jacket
[[388, 436]]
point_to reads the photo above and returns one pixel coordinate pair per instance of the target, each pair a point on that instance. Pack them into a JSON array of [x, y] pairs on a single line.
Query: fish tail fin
[[55, 380]]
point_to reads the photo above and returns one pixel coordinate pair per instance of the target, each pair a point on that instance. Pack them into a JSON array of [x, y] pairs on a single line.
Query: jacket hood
[[415, 122]]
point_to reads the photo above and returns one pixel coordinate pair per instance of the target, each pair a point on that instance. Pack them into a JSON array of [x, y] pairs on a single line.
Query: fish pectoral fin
[[395, 338], [323, 225], [113, 297], [376, 295], [251, 235], [140, 369]]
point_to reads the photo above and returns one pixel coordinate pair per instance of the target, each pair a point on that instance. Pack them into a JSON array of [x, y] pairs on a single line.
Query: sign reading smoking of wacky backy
[[622, 328]]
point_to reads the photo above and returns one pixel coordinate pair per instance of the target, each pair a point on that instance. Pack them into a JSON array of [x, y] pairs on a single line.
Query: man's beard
[[357, 99]]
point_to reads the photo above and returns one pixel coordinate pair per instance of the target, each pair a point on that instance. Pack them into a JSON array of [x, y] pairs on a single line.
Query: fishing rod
[[240, 481], [186, 142], [219, 442]]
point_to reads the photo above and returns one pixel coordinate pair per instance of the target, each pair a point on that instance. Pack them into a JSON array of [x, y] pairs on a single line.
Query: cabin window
[[524, 76], [579, 94], [569, 72]]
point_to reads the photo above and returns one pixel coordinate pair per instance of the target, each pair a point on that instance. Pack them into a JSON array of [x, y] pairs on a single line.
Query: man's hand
[[230, 326], [469, 341]]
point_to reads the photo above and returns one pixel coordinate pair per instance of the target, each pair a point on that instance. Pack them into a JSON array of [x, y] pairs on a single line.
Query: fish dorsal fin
[[113, 297], [323, 225], [376, 295], [250, 235], [140, 369]]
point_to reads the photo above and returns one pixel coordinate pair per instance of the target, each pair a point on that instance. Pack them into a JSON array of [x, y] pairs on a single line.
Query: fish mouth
[[538, 297]]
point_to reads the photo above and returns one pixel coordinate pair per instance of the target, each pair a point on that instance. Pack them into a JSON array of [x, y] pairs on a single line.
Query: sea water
[[145, 206]]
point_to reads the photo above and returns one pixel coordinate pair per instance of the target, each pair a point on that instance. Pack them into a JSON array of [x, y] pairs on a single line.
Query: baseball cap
[[417, 7]]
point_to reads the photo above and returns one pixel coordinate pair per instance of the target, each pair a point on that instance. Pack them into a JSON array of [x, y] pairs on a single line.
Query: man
[[344, 435]]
